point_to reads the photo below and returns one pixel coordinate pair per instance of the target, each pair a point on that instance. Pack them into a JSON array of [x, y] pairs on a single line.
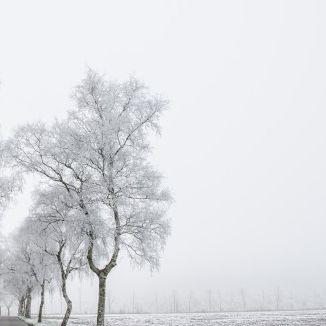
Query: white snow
[[286, 318]]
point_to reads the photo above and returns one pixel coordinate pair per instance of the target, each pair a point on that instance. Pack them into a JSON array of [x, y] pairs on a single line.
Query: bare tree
[[209, 300], [109, 301], [278, 298], [220, 302], [175, 303], [190, 301], [156, 298], [133, 309], [243, 296], [100, 155], [262, 300]]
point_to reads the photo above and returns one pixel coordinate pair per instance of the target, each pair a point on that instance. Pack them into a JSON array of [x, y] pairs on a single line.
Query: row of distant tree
[[176, 302], [217, 301], [200, 301], [98, 195]]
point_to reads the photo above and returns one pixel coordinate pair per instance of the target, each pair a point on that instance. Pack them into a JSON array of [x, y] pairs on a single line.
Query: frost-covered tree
[[9, 181], [32, 253], [60, 236], [100, 156], [18, 280], [8, 300]]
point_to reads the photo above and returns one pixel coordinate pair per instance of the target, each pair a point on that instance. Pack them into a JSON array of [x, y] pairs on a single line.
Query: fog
[[242, 146]]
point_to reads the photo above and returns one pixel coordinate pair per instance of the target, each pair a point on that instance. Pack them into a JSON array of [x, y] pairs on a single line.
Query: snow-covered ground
[[297, 318]]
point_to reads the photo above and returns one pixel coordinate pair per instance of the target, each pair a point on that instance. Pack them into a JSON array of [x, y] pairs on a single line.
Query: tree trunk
[[8, 310], [40, 312], [64, 276], [24, 306], [68, 302], [28, 302], [21, 306], [101, 300], [103, 273]]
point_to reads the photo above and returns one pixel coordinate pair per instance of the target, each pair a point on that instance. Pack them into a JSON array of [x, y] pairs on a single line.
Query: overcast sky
[[243, 144]]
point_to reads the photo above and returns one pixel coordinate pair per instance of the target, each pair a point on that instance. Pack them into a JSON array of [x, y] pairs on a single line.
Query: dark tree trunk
[[103, 273], [40, 312], [64, 276], [101, 300], [28, 302], [21, 306], [8, 311], [68, 303]]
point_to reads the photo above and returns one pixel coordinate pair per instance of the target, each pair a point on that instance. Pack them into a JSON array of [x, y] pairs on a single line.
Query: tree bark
[[103, 273], [24, 306], [68, 303], [40, 312], [101, 300], [28, 302], [64, 276], [21, 306]]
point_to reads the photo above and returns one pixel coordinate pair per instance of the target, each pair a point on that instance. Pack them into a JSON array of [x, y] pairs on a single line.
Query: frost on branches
[[9, 182], [59, 235], [99, 157]]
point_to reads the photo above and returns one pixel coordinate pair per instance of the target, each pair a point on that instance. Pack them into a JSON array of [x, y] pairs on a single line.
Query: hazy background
[[243, 144]]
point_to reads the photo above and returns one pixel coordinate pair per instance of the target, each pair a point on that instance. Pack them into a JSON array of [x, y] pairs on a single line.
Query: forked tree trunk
[[101, 300], [40, 312], [103, 273], [28, 302]]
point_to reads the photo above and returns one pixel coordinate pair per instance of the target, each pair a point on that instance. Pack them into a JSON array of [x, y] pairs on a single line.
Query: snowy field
[[302, 318]]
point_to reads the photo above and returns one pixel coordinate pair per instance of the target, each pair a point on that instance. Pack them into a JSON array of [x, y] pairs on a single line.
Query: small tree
[[220, 301], [8, 301], [60, 236], [278, 298], [35, 258], [243, 297], [18, 281], [190, 298], [22, 255], [209, 300]]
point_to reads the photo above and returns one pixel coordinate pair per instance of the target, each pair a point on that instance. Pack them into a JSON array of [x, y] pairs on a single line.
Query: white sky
[[243, 145]]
